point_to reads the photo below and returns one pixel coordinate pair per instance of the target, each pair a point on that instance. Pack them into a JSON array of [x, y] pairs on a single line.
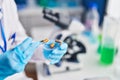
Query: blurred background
[[91, 29]]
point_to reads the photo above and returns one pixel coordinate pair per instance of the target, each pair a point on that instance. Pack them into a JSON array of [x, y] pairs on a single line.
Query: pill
[[52, 45], [45, 40]]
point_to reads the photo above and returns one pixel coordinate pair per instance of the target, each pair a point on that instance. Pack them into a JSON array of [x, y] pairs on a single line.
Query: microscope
[[67, 30]]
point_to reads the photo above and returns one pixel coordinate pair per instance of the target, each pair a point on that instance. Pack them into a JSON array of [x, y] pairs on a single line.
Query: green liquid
[[100, 43], [99, 49], [107, 55]]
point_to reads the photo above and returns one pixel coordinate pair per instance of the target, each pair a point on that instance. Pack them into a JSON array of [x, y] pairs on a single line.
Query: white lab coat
[[11, 24]]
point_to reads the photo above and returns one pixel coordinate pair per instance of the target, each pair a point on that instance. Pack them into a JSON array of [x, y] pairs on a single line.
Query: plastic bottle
[[92, 18], [92, 22]]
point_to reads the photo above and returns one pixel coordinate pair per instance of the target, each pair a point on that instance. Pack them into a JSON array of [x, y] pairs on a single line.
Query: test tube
[[109, 40]]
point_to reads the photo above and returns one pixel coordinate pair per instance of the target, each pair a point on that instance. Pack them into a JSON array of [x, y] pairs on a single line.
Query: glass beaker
[[109, 40]]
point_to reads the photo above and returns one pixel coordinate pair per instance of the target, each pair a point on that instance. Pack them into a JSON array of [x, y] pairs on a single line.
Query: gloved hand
[[54, 54], [14, 61]]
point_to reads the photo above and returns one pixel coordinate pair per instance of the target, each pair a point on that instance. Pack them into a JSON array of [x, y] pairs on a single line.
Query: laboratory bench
[[89, 67]]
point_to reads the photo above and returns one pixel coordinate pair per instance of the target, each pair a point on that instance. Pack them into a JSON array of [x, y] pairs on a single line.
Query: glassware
[[109, 40]]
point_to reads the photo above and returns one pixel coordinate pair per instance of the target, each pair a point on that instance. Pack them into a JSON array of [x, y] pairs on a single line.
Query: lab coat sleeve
[[21, 35], [20, 31], [18, 28]]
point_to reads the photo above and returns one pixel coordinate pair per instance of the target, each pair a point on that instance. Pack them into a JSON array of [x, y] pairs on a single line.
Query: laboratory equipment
[[55, 18], [110, 40], [92, 23], [66, 32], [92, 19]]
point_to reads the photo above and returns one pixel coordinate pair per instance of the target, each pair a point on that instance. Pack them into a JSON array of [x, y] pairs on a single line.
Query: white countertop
[[90, 68]]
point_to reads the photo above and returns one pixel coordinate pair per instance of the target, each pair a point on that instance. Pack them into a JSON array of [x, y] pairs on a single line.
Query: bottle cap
[[92, 5]]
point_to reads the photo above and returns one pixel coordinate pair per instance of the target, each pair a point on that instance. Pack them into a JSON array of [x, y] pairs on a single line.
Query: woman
[[16, 48]]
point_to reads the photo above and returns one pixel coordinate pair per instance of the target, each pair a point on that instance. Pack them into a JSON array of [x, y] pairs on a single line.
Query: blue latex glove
[[54, 55], [14, 61]]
